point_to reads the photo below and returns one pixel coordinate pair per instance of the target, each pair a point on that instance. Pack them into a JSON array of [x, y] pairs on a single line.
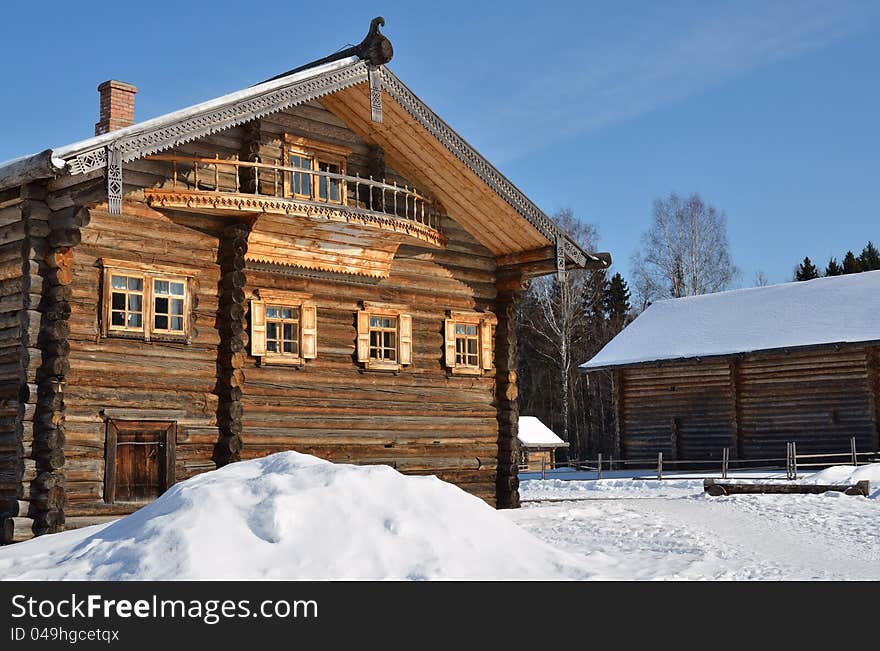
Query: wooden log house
[[315, 263], [750, 370]]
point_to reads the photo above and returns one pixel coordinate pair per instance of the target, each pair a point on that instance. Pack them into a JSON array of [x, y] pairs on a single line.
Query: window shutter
[[363, 336], [486, 344], [309, 334], [449, 335], [258, 328], [405, 333]]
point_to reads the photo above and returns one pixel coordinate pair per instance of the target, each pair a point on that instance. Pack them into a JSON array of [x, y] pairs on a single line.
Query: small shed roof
[[535, 434], [834, 310]]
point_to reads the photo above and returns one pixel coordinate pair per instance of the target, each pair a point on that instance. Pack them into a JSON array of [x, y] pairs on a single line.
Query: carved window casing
[[284, 327], [143, 301], [468, 342], [384, 336], [313, 156]]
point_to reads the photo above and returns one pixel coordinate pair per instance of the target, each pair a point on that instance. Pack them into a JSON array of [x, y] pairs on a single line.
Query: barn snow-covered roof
[[824, 311]]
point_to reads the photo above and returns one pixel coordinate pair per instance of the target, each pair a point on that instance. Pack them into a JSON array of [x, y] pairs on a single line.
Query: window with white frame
[[145, 301]]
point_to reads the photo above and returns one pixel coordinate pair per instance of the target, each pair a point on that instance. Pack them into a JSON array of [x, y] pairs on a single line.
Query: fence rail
[[789, 463]]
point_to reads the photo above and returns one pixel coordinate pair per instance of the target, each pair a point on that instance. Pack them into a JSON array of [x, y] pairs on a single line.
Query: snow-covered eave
[[53, 162], [589, 367], [25, 169], [543, 446]]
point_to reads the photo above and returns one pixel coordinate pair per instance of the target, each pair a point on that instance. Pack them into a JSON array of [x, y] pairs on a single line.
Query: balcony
[[224, 186]]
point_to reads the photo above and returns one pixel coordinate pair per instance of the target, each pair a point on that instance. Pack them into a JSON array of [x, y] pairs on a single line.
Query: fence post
[[788, 460], [724, 461], [599, 476], [659, 466], [855, 456], [794, 459], [543, 467], [611, 462]]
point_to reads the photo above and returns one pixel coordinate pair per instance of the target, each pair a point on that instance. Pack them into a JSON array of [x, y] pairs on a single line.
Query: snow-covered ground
[[634, 529], [292, 516]]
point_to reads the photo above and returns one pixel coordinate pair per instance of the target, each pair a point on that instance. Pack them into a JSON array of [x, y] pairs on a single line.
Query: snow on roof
[[535, 434], [296, 517], [60, 153], [839, 309]]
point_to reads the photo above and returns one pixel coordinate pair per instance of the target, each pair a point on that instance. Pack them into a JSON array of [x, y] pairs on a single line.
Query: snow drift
[[293, 516]]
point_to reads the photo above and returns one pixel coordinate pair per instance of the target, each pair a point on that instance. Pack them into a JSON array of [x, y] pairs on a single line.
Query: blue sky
[[768, 109]]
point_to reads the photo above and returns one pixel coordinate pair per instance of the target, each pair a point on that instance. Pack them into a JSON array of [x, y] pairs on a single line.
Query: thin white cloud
[[654, 61]]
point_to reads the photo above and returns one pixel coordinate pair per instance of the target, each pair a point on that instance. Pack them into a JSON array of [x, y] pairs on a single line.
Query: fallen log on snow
[[717, 488]]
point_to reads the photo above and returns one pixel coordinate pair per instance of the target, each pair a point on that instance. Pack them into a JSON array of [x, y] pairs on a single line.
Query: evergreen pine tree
[[869, 260], [806, 270], [833, 268], [851, 264], [617, 304]]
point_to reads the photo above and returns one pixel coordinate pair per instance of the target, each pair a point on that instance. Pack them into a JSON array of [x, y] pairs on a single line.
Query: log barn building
[[750, 370], [316, 263]]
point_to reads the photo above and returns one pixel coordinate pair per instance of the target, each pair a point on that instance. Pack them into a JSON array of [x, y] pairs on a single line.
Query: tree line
[[560, 325], [867, 260]]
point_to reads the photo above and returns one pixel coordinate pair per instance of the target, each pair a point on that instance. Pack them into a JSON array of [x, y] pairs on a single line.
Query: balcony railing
[[322, 188]]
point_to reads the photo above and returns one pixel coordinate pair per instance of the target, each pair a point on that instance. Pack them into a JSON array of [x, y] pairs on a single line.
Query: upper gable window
[[322, 165], [149, 301]]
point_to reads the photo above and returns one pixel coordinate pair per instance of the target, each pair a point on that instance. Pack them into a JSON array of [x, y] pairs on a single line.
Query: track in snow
[[697, 537]]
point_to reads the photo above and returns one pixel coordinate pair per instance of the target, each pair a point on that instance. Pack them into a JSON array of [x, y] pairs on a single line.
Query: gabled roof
[[321, 79], [824, 311], [535, 434]]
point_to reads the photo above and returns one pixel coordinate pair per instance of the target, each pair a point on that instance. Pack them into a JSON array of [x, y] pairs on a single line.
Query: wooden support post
[[736, 431], [510, 286], [794, 460], [619, 424], [543, 467], [873, 391], [599, 474], [855, 456], [725, 459], [659, 465], [232, 313], [47, 256]]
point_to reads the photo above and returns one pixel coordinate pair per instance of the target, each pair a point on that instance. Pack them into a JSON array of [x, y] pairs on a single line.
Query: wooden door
[[140, 460]]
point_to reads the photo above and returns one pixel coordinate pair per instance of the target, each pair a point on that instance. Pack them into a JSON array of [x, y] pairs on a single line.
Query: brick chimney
[[117, 106]]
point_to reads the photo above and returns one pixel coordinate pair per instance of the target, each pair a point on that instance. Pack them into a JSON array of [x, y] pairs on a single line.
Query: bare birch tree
[[685, 252], [555, 321]]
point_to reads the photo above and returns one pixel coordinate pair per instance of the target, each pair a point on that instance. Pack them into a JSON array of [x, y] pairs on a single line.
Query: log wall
[[130, 378], [754, 404], [817, 398], [12, 236], [419, 420], [683, 410]]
